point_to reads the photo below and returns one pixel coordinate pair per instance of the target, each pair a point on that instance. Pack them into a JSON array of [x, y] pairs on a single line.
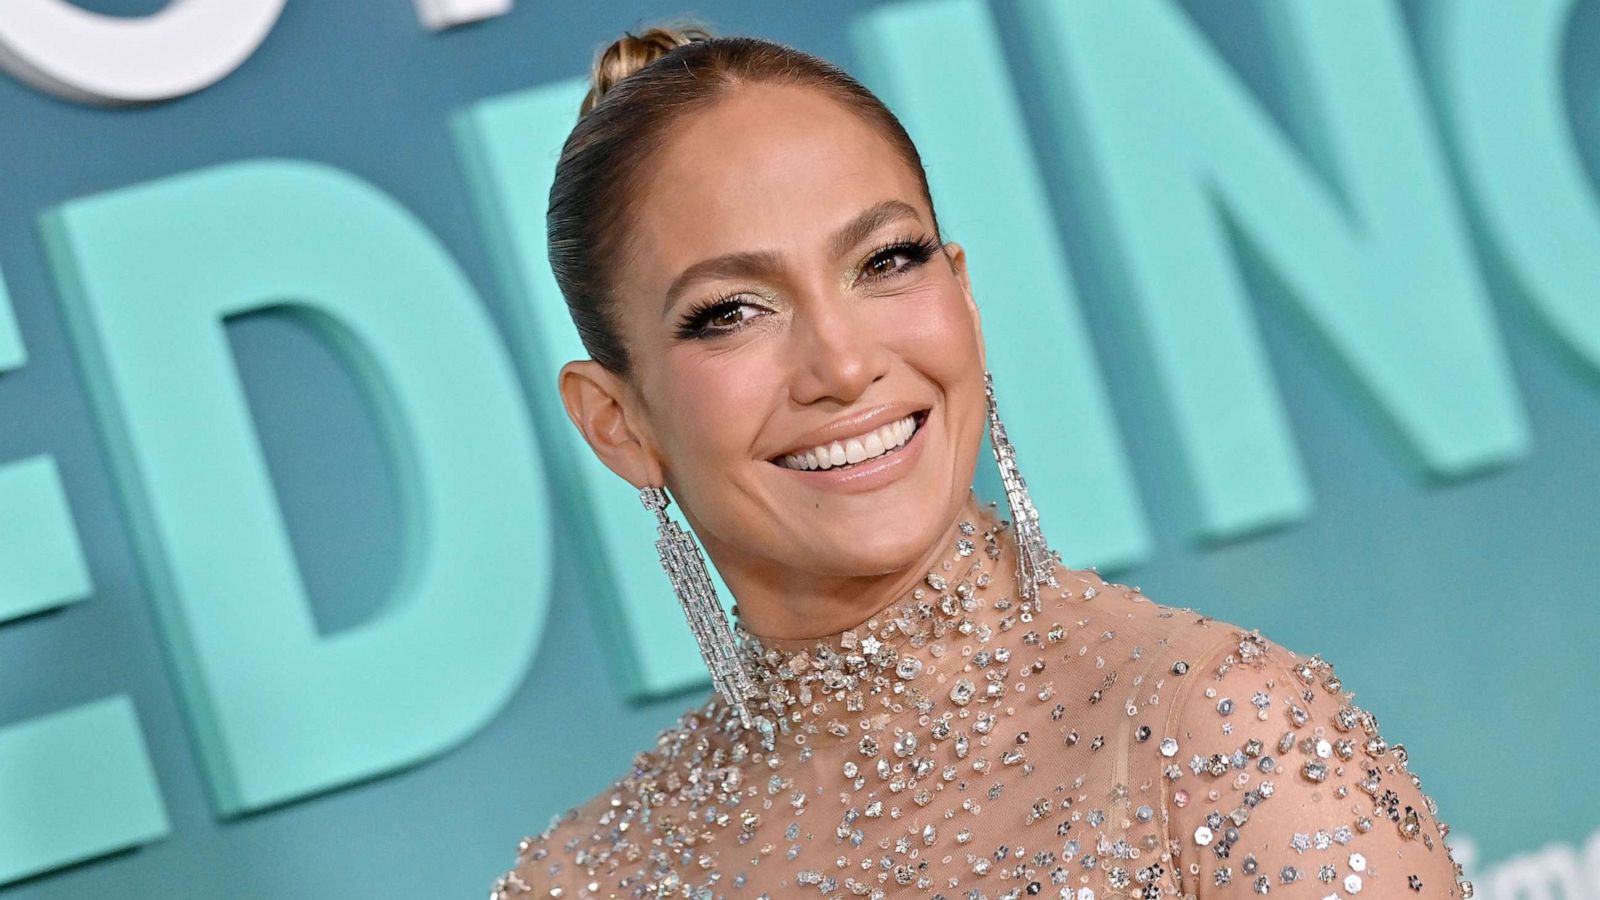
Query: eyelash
[[696, 321]]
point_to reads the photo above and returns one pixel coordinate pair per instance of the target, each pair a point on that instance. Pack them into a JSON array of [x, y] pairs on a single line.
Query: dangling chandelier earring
[[1035, 560], [686, 569]]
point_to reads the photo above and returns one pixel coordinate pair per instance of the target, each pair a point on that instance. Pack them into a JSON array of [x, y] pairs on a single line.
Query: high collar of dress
[[826, 686]]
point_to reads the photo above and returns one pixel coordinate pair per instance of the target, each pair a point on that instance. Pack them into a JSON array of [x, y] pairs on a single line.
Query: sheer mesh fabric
[[966, 744]]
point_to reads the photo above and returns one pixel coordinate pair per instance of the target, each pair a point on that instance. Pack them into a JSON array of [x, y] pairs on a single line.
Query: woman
[[922, 699]]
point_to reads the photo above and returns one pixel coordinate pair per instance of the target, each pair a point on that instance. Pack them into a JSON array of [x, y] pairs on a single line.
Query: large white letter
[[437, 15], [91, 58]]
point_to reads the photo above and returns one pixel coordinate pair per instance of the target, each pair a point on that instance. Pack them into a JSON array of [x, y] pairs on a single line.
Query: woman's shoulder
[[604, 846], [1211, 656], [1226, 672], [1272, 772], [1154, 629]]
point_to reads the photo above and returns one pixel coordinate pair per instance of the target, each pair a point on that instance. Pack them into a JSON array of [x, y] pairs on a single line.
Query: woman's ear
[[597, 401], [957, 255]]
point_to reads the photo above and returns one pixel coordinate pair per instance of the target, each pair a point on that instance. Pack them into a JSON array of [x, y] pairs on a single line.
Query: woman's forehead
[[767, 166]]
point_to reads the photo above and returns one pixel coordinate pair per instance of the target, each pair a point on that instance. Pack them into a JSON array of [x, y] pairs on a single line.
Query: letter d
[[147, 275]]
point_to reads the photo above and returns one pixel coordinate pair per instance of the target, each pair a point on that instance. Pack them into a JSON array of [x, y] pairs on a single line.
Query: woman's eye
[[717, 318], [729, 315], [916, 252], [883, 263]]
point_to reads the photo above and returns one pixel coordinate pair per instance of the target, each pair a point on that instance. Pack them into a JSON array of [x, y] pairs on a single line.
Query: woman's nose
[[838, 353]]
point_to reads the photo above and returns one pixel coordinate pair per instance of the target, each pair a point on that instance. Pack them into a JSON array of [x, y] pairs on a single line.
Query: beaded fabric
[[1093, 744]]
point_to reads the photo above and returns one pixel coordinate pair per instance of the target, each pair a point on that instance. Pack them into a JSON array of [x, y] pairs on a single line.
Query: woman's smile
[[869, 459]]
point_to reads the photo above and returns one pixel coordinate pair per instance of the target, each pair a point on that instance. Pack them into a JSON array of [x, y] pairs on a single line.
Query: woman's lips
[[872, 473], [855, 449]]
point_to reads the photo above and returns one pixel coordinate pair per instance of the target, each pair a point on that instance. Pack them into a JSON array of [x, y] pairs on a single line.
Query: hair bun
[[632, 52]]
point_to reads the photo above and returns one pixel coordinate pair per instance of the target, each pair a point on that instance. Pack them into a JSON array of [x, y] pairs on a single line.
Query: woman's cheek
[[717, 407], [933, 324]]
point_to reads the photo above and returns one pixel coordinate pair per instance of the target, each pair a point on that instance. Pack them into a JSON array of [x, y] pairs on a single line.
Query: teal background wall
[[1456, 598]]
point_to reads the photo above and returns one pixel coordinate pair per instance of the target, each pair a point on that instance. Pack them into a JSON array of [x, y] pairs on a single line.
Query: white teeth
[[856, 449]]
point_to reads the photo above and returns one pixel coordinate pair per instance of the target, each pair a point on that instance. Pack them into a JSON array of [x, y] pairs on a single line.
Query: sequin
[[964, 743]]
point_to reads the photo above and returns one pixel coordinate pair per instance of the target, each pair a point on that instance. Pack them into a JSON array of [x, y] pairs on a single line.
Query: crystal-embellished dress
[[964, 744]]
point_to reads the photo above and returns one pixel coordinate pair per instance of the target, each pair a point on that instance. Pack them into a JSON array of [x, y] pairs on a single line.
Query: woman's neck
[[797, 613], [886, 659]]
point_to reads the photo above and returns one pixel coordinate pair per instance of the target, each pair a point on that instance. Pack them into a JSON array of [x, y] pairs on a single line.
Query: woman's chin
[[884, 538]]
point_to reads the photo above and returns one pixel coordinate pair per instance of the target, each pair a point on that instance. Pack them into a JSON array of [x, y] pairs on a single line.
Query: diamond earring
[[691, 581], [1035, 560]]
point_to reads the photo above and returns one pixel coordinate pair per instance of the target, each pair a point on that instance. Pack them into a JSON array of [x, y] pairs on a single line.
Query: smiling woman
[[918, 697]]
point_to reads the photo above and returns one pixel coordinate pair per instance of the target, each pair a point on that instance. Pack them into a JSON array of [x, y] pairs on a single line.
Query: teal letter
[[148, 275], [508, 146], [1498, 70], [958, 105], [77, 783], [41, 563], [1381, 270]]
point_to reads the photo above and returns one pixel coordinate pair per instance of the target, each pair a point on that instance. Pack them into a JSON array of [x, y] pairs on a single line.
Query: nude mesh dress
[[962, 743]]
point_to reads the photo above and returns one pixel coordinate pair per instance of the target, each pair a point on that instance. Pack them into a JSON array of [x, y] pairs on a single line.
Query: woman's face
[[789, 311]]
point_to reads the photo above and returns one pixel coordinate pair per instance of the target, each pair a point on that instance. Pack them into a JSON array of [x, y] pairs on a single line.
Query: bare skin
[[825, 333]]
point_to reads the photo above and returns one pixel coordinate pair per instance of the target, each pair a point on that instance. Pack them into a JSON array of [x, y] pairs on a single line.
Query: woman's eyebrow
[[869, 220], [728, 265], [758, 262]]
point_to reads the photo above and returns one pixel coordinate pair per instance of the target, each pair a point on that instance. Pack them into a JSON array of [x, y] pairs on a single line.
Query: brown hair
[[641, 84]]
